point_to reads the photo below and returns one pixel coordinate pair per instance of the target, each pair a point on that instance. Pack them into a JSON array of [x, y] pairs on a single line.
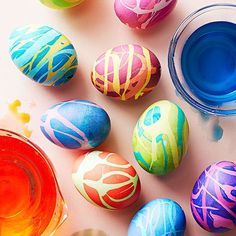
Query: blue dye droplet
[[217, 132]]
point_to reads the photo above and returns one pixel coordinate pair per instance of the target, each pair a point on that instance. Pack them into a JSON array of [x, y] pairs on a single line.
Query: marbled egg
[[160, 138], [61, 4], [142, 14], [126, 72], [43, 54], [106, 180], [76, 124], [158, 217], [213, 200]]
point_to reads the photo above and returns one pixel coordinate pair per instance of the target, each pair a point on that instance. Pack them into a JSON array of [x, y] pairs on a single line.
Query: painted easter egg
[[76, 124], [213, 200], [61, 4], [126, 72], [43, 54], [160, 138], [106, 180], [158, 217], [143, 13]]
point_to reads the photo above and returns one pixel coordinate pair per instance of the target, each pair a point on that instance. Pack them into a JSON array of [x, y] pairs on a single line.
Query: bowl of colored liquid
[[202, 59], [30, 198]]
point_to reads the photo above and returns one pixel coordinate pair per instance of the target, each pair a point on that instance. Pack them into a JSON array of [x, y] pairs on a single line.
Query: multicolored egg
[[158, 217], [213, 200], [76, 124], [160, 138], [43, 54], [126, 72], [142, 14], [61, 4], [106, 180]]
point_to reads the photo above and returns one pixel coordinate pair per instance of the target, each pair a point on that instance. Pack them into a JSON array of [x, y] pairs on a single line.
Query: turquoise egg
[[158, 218], [43, 54]]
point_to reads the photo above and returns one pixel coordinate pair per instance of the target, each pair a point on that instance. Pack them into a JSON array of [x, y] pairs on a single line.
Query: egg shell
[[126, 72], [61, 4], [106, 180], [76, 124], [158, 217], [143, 14], [43, 54], [160, 138], [213, 200]]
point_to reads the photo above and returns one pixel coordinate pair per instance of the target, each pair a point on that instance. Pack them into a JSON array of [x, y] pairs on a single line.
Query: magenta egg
[[142, 14]]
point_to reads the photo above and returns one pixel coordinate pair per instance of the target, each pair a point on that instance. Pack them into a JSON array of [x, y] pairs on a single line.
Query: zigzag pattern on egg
[[126, 72], [160, 138], [107, 180], [43, 54]]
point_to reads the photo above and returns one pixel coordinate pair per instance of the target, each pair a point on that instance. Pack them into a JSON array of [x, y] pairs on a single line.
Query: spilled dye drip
[[217, 132], [15, 120]]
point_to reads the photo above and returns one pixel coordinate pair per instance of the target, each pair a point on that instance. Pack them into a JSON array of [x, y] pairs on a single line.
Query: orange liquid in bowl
[[29, 200]]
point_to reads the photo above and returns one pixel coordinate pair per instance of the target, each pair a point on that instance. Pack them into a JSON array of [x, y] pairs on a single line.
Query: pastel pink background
[[94, 28]]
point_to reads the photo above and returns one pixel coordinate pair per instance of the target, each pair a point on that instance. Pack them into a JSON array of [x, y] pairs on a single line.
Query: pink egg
[[142, 14]]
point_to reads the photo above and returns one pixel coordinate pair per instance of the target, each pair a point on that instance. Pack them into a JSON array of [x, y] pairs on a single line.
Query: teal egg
[[43, 54]]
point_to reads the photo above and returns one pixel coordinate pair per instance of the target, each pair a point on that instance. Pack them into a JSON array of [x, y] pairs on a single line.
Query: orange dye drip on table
[[28, 191]]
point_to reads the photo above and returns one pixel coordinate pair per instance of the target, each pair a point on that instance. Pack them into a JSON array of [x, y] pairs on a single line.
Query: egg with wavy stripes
[[213, 200], [61, 4], [76, 124], [106, 180], [158, 217], [43, 54], [142, 14], [160, 138], [126, 72]]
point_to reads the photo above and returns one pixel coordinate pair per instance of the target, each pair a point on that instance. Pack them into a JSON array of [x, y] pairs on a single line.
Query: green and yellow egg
[[160, 138], [61, 4]]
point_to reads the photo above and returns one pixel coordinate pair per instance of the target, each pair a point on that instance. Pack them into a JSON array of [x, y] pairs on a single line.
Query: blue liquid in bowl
[[208, 63]]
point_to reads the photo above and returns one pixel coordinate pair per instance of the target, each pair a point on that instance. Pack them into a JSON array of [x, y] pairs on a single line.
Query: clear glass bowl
[[30, 197], [212, 13]]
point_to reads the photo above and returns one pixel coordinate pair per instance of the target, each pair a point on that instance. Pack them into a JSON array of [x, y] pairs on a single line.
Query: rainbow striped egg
[[126, 72], [43, 54], [213, 200], [142, 14], [160, 138], [76, 124], [158, 218], [106, 180], [61, 4]]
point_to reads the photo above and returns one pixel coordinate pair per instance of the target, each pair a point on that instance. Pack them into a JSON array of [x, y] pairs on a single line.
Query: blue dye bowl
[[203, 70]]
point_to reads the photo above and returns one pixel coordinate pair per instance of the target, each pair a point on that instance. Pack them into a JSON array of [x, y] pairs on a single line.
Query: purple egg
[[142, 14], [213, 200]]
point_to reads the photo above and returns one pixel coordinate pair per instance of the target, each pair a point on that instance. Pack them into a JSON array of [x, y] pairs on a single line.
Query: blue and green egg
[[160, 138], [43, 54]]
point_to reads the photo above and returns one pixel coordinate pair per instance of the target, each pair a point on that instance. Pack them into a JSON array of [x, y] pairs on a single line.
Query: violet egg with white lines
[[76, 124], [213, 200]]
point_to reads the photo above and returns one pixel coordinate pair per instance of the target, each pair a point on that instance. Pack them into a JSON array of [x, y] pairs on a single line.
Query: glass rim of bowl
[[50, 165], [200, 106]]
